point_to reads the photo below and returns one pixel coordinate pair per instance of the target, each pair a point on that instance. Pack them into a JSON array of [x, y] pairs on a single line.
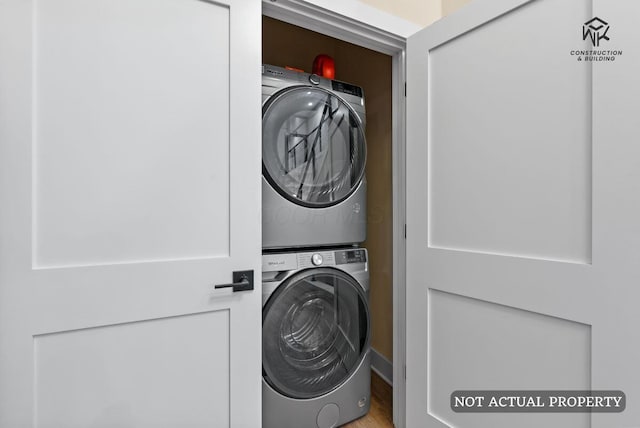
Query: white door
[[523, 216], [129, 188]]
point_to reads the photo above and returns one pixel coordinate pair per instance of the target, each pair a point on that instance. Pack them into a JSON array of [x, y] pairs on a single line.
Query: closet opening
[[287, 45]]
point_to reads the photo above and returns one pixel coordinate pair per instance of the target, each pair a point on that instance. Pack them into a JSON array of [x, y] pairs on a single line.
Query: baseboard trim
[[382, 366]]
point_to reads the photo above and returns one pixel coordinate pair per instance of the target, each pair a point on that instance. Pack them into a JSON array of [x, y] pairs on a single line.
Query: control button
[[314, 79], [316, 259]]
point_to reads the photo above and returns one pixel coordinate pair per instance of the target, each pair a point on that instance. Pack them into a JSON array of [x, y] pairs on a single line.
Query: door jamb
[[362, 33]]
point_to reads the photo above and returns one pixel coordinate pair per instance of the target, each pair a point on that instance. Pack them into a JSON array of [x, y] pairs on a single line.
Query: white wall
[[421, 12], [449, 6]]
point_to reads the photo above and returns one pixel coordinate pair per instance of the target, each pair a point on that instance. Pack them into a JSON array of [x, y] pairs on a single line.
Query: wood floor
[[381, 413]]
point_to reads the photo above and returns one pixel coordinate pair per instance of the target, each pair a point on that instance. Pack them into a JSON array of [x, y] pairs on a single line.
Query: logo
[[596, 29]]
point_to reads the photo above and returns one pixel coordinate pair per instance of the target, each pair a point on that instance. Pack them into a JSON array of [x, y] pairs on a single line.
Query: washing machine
[[313, 161], [315, 338]]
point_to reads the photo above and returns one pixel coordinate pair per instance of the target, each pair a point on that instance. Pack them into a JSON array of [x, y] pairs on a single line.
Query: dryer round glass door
[[315, 333], [313, 146]]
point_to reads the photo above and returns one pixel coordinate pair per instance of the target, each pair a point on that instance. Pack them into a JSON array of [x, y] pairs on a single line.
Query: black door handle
[[242, 281]]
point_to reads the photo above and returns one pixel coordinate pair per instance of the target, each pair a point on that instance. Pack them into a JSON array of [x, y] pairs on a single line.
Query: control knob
[[316, 259]]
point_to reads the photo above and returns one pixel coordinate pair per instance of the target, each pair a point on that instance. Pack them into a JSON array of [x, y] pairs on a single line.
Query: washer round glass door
[[315, 332], [313, 146]]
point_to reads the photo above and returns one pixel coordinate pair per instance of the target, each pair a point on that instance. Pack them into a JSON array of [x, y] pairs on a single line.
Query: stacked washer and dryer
[[315, 279]]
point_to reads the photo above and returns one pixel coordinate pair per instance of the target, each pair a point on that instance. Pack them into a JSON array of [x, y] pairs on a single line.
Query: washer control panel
[[350, 256], [319, 258], [277, 262]]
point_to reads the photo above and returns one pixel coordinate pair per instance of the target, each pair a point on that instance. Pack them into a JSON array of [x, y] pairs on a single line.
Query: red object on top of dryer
[[324, 65]]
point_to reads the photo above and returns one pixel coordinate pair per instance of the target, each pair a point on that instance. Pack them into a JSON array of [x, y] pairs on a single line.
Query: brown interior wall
[[284, 44]]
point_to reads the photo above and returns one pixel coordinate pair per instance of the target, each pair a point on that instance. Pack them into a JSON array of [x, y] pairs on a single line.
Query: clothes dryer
[[315, 338], [313, 161]]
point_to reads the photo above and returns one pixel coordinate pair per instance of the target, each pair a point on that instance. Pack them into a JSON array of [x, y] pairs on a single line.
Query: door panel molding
[[125, 167]]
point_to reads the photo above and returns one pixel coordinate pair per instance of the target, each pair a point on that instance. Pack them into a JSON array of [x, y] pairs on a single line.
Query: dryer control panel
[[347, 88]]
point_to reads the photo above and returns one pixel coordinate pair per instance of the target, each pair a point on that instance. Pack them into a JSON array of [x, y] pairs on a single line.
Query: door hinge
[[405, 89], [404, 371], [405, 231]]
